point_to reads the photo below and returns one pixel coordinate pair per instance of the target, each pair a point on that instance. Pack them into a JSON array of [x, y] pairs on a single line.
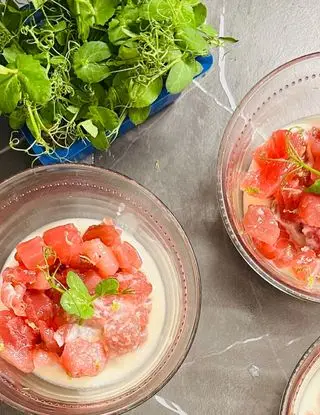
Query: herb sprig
[[76, 299], [74, 69]]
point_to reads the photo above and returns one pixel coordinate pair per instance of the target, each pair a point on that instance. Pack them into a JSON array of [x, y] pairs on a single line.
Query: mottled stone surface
[[250, 335]]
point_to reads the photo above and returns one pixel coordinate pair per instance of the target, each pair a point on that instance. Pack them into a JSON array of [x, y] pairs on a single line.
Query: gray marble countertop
[[250, 335]]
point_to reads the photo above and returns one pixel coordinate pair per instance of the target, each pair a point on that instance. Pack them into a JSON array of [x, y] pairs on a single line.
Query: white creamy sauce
[[308, 398], [119, 367]]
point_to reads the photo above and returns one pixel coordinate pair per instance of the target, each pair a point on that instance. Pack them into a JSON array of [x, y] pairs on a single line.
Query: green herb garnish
[[76, 299], [81, 66]]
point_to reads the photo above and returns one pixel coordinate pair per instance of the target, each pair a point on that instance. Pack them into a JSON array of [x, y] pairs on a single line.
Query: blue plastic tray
[[82, 148]]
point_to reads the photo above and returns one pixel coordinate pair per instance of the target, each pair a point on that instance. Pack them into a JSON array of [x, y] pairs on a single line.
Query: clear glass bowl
[[37, 197], [304, 374], [288, 94]]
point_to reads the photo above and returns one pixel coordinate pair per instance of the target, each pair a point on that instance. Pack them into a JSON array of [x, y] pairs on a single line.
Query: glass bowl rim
[[221, 193], [298, 371], [188, 246]]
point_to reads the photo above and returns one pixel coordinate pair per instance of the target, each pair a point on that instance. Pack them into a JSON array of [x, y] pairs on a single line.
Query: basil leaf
[[143, 96], [10, 90], [17, 118], [87, 62], [104, 10], [200, 14], [314, 188], [180, 76], [109, 286], [139, 115], [107, 118], [34, 79]]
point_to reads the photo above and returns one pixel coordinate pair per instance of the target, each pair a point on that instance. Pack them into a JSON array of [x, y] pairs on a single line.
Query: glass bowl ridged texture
[[42, 195], [288, 94]]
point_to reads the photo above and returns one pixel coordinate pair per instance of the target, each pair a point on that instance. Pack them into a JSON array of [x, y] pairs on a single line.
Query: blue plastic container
[[83, 148]]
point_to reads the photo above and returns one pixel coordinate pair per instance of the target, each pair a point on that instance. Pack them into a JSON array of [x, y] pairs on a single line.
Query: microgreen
[[76, 299], [314, 188], [76, 68]]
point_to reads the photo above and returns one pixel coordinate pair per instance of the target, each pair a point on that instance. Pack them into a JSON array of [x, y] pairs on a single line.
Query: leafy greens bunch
[[75, 69]]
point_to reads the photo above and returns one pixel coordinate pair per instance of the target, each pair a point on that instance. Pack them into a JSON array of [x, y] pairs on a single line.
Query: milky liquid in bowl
[[129, 363]]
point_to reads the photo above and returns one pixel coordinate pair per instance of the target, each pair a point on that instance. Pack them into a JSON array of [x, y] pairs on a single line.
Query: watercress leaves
[[104, 117], [104, 10], [180, 76], [88, 60], [200, 14], [91, 63], [34, 79], [26, 76], [144, 95], [17, 118], [314, 188], [10, 89], [85, 16], [139, 115], [191, 40]]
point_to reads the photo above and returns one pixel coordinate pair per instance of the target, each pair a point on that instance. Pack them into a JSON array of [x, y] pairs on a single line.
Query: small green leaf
[[17, 118], [90, 128], [75, 283], [200, 14], [76, 305], [128, 50], [60, 26], [180, 76], [10, 91], [191, 40], [10, 54], [33, 78], [38, 3], [57, 60], [87, 62], [107, 118], [314, 188], [208, 30], [109, 286], [77, 300], [143, 96], [100, 142], [85, 16], [195, 67], [104, 10], [228, 39], [139, 115]]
